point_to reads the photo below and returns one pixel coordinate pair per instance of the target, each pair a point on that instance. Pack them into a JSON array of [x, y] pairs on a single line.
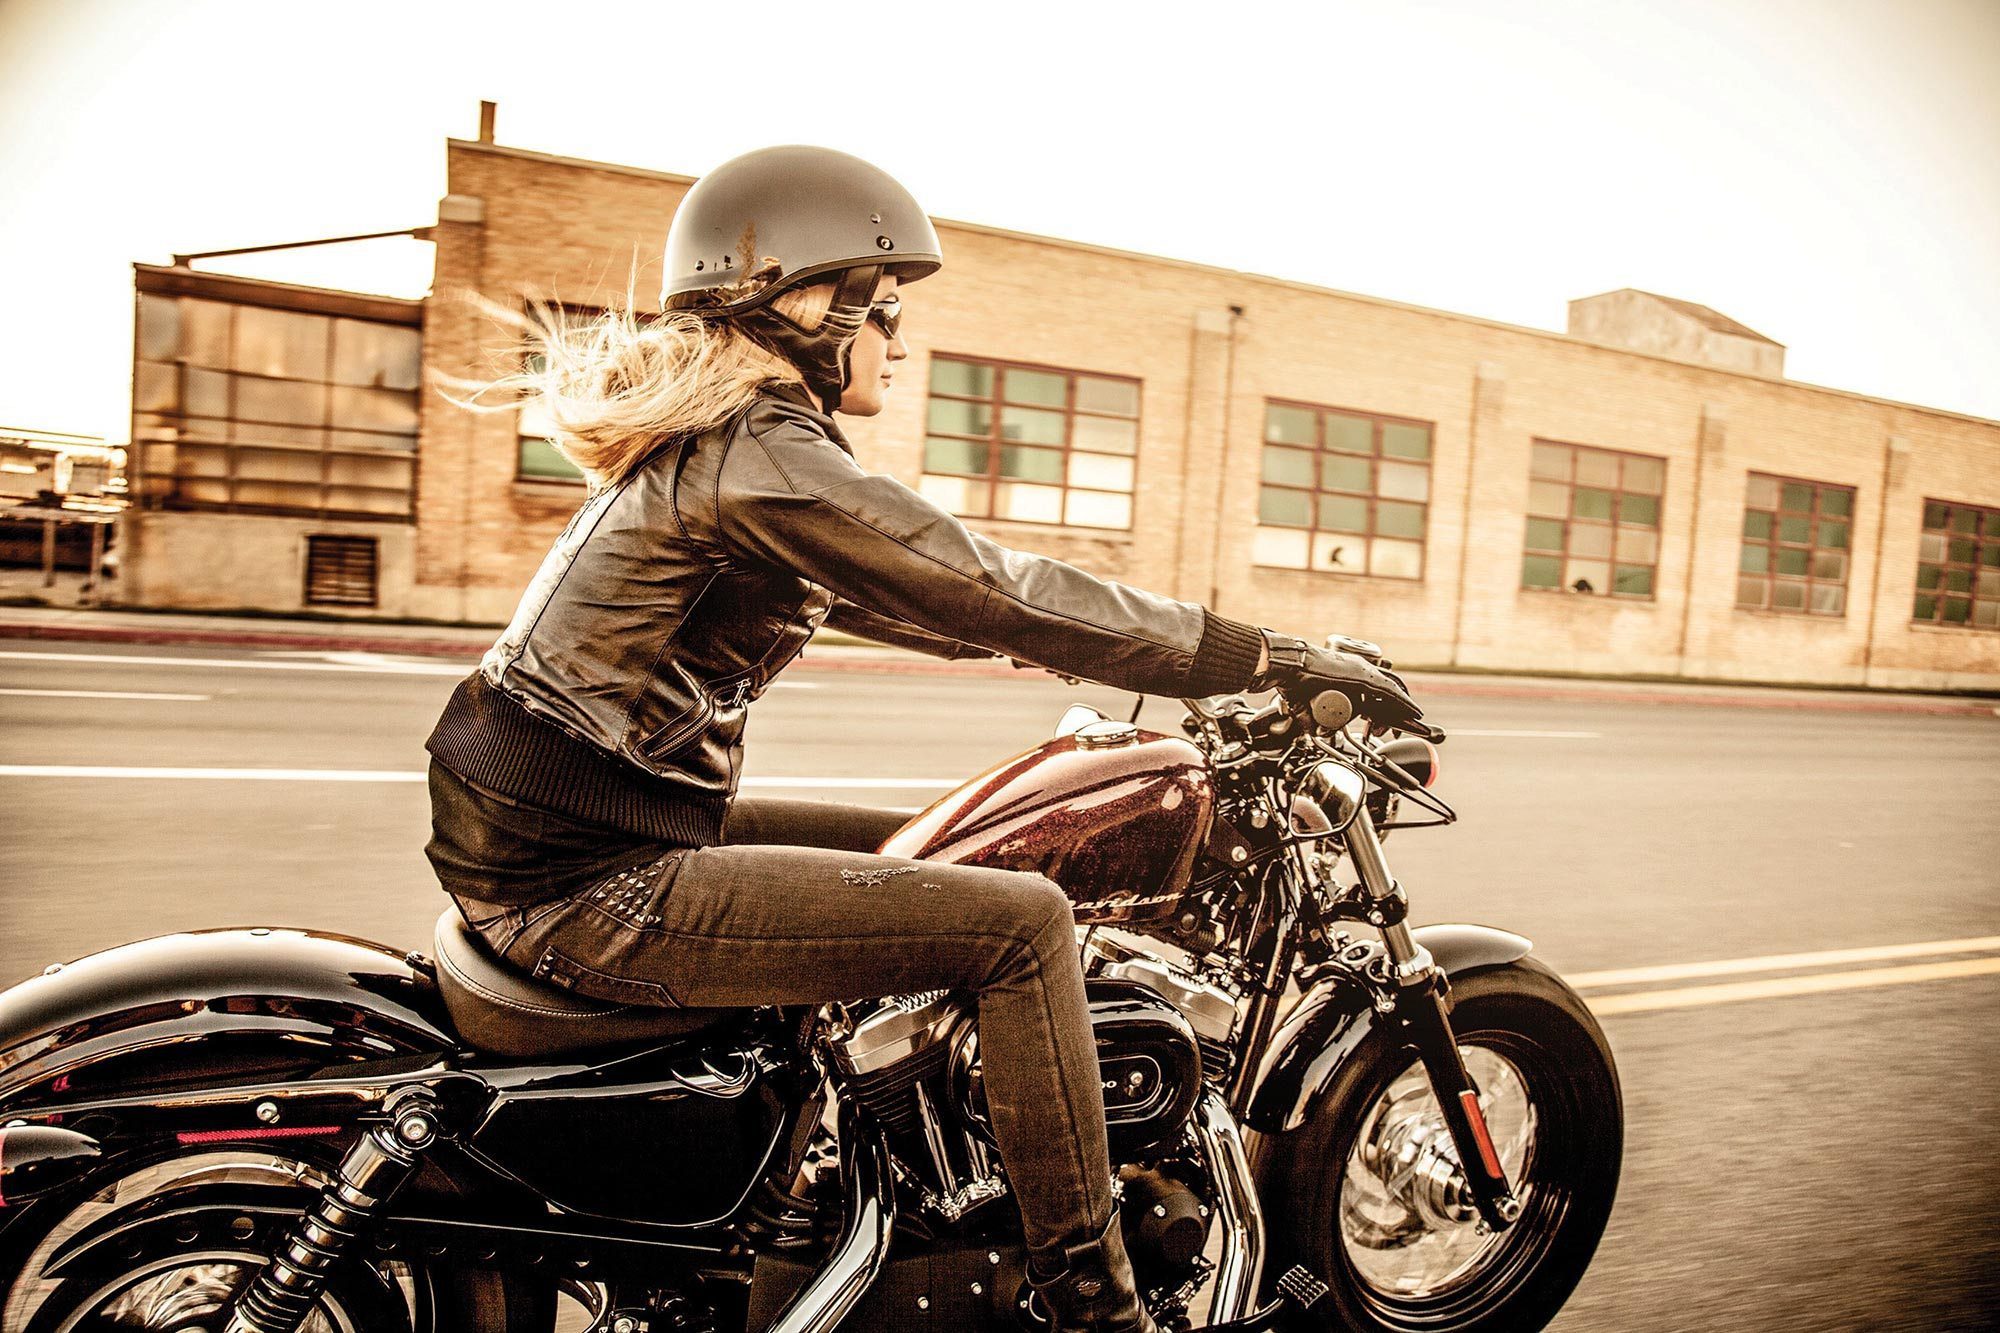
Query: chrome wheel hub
[[185, 1294], [1407, 1219]]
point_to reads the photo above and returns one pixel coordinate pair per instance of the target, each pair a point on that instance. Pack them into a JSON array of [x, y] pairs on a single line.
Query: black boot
[[1088, 1286]]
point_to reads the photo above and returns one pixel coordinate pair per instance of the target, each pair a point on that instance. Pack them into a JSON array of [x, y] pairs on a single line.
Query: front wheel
[[1368, 1193]]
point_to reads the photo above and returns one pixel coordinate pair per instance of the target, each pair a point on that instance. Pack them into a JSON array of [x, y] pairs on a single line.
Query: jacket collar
[[801, 397]]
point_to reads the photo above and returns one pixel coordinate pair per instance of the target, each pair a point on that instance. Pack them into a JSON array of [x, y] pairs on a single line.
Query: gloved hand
[[1299, 671]]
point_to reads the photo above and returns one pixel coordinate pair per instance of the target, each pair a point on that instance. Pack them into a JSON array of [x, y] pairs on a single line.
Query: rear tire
[[1342, 1200]]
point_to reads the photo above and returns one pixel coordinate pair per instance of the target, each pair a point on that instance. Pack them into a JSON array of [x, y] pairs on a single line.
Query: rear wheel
[[1368, 1193]]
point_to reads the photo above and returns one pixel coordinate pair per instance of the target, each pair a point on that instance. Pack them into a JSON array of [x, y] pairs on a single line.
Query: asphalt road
[[1811, 1143]]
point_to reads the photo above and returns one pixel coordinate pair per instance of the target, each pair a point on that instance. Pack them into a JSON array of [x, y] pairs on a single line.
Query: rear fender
[[1337, 1014], [170, 1018]]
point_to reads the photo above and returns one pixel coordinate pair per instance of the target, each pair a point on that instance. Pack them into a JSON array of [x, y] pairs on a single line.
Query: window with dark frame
[[340, 571], [1343, 491], [1593, 520], [1796, 539], [273, 410], [536, 457], [1031, 444], [1958, 566]]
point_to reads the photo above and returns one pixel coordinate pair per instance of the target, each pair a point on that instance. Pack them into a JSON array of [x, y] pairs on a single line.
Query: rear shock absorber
[[285, 1290]]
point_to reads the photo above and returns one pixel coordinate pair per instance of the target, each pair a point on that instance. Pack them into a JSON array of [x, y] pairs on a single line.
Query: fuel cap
[[1106, 735]]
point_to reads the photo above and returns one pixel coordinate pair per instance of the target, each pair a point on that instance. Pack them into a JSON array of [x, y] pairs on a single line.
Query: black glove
[[1301, 671]]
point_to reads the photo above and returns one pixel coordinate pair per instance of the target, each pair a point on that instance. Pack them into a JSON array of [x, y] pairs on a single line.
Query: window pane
[[1828, 599], [1290, 509], [1638, 545], [156, 388], [1402, 440], [1096, 509], [205, 333], [1340, 552], [373, 409], [1964, 520], [1271, 546], [1958, 580], [1961, 551], [1589, 503], [1829, 565], [1988, 583], [1549, 461], [1393, 518], [1756, 525], [1403, 481], [1756, 560], [1396, 560], [1036, 386], [1792, 529], [1936, 515], [963, 456], [1028, 504], [1119, 398], [1989, 554], [1791, 561], [1104, 472], [957, 495], [277, 433], [1993, 523], [1796, 497], [1590, 540], [1833, 534], [1648, 476], [1986, 615], [1930, 576], [1752, 591], [1288, 467], [1957, 610], [279, 495], [1343, 513], [962, 378], [1550, 499], [1354, 435], [1926, 608], [207, 392], [1028, 426], [1596, 469], [1344, 474], [159, 328], [1639, 509], [950, 417], [1545, 534], [1031, 464], [1596, 573], [1634, 580], [1762, 492], [387, 470], [1930, 547], [1787, 595], [376, 356], [1835, 501], [286, 401], [1541, 571], [1104, 435], [280, 465], [281, 342], [1289, 425], [540, 459]]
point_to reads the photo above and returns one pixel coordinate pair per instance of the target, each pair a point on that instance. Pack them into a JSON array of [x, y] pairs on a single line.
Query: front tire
[[1364, 1192]]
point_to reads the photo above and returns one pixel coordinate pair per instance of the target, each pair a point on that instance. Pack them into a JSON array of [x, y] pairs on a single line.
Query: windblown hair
[[616, 385]]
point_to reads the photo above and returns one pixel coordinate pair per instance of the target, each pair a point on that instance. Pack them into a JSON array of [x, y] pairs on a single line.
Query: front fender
[[1337, 1014], [208, 1008]]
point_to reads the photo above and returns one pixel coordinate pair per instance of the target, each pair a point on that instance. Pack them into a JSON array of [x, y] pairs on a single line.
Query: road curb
[[1428, 685]]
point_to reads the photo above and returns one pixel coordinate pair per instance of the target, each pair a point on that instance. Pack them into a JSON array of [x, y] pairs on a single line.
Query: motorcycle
[[1320, 1116]]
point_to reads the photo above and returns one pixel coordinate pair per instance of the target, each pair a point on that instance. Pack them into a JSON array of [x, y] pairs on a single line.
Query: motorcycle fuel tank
[[1114, 815]]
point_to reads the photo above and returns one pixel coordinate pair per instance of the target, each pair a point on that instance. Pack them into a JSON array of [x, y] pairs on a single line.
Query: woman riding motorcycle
[[583, 783]]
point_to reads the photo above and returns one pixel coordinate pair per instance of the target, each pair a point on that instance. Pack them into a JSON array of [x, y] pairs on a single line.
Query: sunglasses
[[887, 315]]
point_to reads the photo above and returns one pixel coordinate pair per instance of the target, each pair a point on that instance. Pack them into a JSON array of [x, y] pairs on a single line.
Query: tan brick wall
[[570, 230]]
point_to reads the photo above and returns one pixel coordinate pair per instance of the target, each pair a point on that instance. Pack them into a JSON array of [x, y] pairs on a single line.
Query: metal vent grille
[[340, 571]]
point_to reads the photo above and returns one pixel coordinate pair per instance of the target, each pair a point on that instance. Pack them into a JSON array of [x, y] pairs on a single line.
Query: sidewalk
[[834, 652]]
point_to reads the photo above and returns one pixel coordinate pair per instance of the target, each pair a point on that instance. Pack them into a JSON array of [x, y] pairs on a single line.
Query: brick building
[[1645, 494]]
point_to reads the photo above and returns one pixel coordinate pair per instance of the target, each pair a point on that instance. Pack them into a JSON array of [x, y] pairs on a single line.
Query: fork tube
[[1364, 848]]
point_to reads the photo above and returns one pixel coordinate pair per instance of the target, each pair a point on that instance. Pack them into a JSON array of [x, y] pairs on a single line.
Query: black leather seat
[[501, 1012]]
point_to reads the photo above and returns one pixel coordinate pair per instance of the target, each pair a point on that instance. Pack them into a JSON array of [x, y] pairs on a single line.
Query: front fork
[[1421, 1009]]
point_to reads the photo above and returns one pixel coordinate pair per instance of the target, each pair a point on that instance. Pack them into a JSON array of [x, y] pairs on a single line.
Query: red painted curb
[[1458, 687]]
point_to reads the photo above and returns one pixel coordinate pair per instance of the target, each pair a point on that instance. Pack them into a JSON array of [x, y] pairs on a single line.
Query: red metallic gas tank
[[1113, 814]]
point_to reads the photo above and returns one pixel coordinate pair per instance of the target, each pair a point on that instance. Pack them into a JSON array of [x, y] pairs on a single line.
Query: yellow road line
[[1689, 997], [1780, 962]]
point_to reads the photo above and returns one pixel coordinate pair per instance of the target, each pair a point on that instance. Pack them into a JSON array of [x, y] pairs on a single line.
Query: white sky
[[1825, 171]]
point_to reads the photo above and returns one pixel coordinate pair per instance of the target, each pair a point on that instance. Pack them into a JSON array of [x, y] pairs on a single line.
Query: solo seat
[[501, 1012]]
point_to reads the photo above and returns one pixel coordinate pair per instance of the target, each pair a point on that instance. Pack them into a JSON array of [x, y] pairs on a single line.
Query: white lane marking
[[351, 663], [1782, 962], [1531, 735], [393, 775], [1690, 997], [106, 694]]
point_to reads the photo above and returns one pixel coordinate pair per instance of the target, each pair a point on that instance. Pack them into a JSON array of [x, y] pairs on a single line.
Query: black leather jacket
[[673, 597]]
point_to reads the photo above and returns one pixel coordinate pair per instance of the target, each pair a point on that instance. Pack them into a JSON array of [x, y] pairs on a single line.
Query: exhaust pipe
[[35, 1159], [857, 1256]]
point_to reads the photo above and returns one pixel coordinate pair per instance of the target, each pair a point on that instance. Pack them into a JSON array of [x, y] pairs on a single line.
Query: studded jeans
[[792, 909]]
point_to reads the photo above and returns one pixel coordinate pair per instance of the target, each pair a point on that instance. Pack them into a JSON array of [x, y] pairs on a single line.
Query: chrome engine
[[1209, 1009]]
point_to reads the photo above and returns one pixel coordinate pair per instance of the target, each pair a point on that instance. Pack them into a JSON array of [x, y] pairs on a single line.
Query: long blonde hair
[[617, 384]]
